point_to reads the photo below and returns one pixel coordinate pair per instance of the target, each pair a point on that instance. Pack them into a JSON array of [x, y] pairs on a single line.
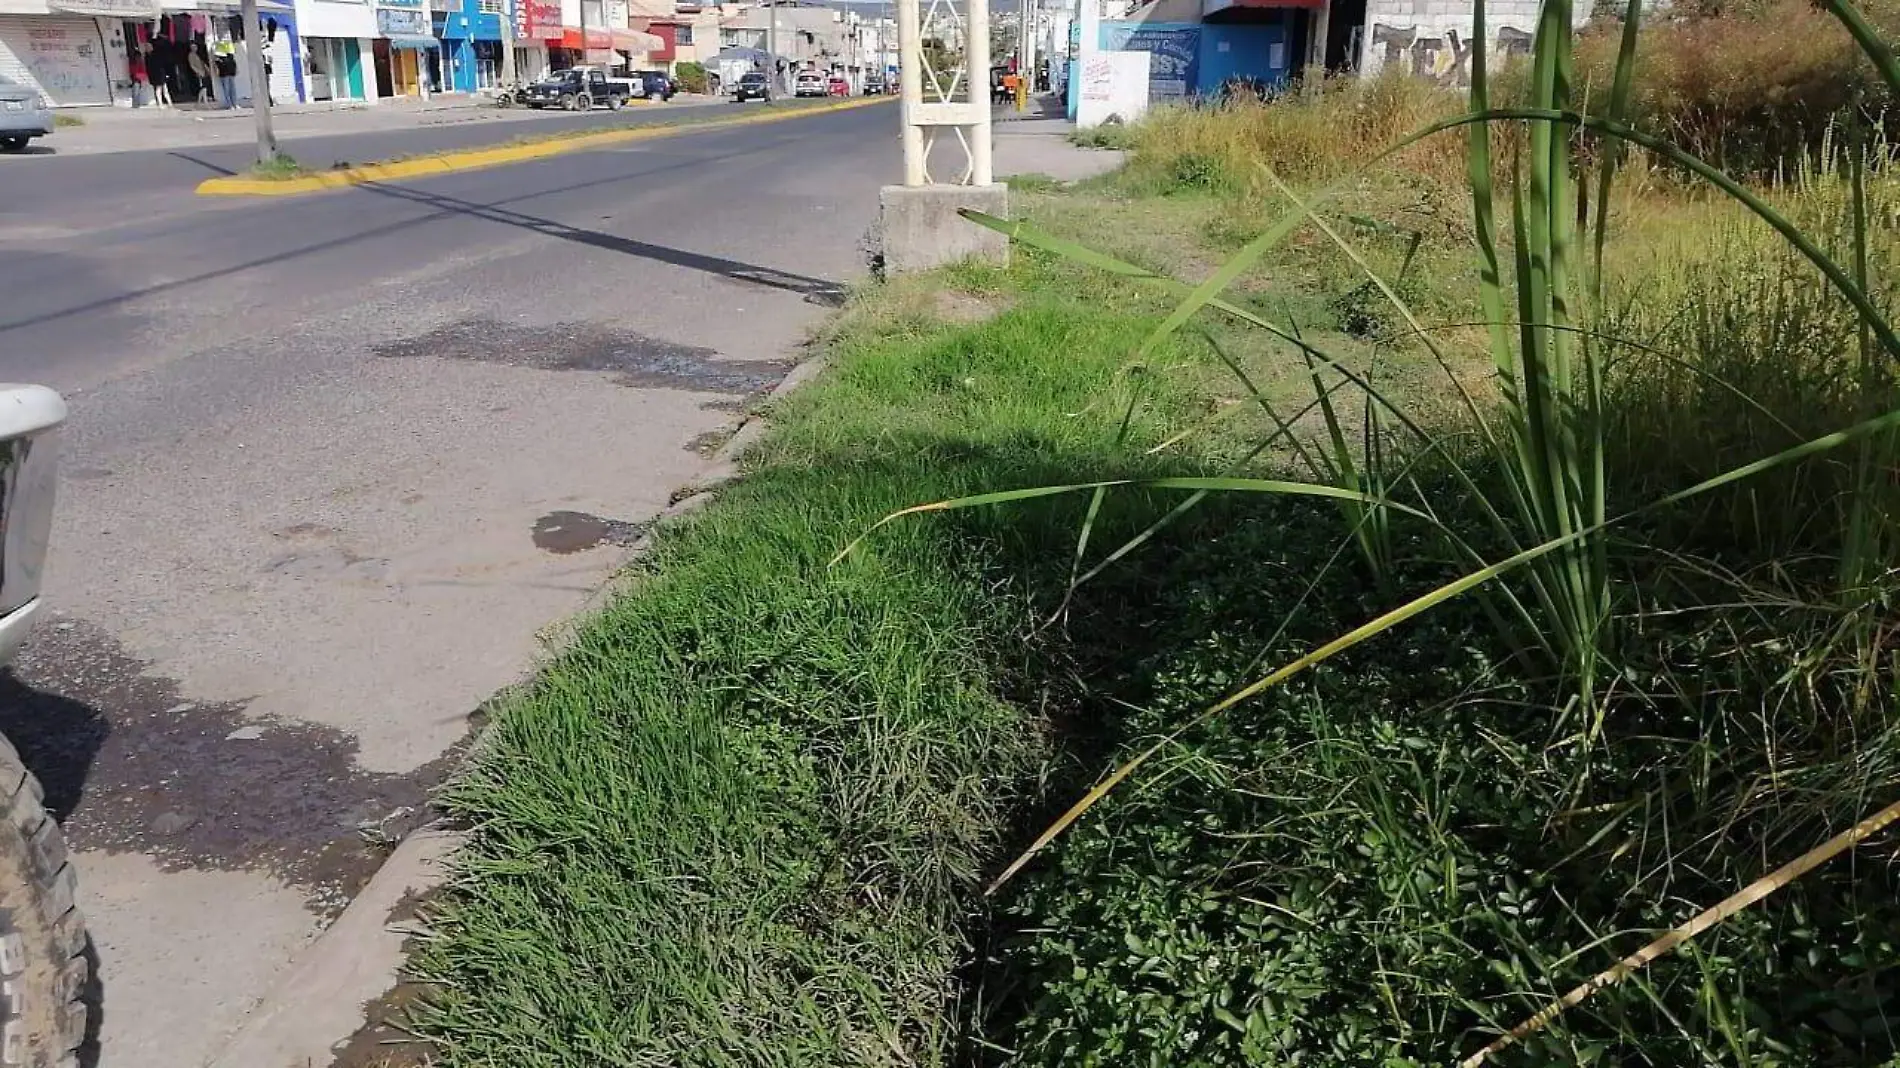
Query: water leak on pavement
[[633, 359], [561, 533], [131, 765]]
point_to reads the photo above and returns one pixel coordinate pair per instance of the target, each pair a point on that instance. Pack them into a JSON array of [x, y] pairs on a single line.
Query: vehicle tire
[[567, 102], [583, 102], [13, 144], [615, 103], [43, 967]]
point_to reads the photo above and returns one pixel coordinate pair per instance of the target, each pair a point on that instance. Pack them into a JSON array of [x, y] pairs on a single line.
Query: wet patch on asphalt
[[130, 765], [561, 533], [633, 359]]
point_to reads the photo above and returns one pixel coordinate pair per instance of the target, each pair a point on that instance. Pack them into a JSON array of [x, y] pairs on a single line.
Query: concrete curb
[[497, 156], [319, 997], [318, 1002]]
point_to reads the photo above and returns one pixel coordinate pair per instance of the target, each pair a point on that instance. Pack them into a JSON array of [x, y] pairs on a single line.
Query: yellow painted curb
[[499, 155]]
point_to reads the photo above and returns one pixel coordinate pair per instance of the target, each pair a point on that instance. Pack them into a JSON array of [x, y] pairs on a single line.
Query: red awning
[[596, 38]]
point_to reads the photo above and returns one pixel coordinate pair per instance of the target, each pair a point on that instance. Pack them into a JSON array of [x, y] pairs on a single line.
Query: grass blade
[[1702, 921], [1417, 606]]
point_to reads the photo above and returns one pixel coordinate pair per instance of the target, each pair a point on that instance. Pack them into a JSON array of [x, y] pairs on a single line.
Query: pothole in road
[[633, 359], [130, 765], [571, 532]]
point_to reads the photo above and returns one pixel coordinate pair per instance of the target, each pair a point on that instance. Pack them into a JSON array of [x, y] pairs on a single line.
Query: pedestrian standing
[[158, 73], [200, 72], [227, 75]]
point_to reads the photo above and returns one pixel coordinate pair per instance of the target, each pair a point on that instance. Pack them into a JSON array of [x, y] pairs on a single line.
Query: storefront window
[[487, 64]]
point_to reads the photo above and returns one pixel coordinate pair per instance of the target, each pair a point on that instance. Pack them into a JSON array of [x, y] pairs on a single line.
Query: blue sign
[[1174, 51]]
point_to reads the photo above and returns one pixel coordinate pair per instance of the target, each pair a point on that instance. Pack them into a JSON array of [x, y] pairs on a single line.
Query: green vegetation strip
[[741, 819], [744, 818]]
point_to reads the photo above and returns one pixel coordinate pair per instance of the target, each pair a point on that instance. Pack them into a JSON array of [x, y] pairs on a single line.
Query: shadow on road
[[816, 290], [58, 739], [223, 172]]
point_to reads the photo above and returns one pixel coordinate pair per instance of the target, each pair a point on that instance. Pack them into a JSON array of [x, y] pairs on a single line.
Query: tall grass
[[1751, 422]]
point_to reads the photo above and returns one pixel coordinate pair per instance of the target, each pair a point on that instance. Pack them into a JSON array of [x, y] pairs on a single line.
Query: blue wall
[[458, 29], [1230, 50], [1193, 58]]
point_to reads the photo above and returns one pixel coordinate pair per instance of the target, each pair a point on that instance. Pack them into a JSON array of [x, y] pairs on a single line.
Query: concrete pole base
[[919, 228]]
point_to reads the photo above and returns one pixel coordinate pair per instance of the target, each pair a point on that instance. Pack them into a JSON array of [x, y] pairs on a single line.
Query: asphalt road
[[334, 463]]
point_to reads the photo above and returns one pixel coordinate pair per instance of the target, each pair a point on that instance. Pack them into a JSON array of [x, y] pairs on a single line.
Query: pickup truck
[[577, 90], [43, 967]]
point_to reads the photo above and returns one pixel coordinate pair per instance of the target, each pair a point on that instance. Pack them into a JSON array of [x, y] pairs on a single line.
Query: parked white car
[[811, 83], [23, 115], [43, 967]]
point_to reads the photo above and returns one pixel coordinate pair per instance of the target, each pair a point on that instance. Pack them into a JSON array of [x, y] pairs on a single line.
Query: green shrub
[[692, 77]]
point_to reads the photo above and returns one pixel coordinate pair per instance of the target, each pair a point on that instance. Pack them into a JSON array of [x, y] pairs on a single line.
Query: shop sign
[[1174, 49], [397, 22], [538, 20]]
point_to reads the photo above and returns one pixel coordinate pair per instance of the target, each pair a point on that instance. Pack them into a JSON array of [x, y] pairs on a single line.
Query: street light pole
[[771, 45], [260, 84]]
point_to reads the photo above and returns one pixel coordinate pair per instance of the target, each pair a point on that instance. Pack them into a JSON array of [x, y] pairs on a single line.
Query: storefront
[[571, 51], [537, 25], [335, 69], [337, 38], [401, 53], [472, 44], [75, 52]]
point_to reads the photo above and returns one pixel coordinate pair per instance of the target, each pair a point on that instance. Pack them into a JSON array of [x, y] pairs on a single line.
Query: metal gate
[[63, 56]]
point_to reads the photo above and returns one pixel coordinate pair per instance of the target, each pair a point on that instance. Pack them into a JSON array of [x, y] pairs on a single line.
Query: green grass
[[282, 167], [66, 121], [746, 816], [739, 820]]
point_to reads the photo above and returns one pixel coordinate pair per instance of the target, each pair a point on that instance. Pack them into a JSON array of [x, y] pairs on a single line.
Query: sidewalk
[[1033, 145], [145, 129]]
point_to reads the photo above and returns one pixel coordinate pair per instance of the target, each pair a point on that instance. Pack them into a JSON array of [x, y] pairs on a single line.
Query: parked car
[[809, 83], [23, 115], [43, 967], [576, 90], [874, 85], [753, 85], [655, 85], [838, 86]]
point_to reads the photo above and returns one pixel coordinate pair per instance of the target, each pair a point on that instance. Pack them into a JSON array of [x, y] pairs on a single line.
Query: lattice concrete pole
[[910, 87], [977, 77]]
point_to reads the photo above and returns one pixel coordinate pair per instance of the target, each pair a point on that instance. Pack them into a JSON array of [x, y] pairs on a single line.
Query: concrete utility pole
[[508, 45], [260, 82], [1029, 43], [919, 224], [771, 46]]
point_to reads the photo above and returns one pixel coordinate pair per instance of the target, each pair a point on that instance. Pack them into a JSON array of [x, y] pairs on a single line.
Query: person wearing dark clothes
[[158, 71], [227, 77]]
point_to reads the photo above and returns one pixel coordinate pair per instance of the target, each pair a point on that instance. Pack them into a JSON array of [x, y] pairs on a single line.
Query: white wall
[[335, 18], [1433, 37]]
